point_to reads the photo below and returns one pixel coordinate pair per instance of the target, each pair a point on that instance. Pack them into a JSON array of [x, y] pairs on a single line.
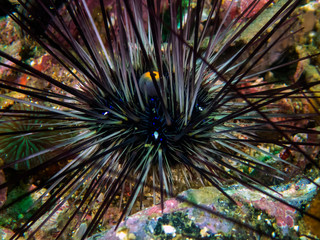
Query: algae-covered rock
[[208, 214]]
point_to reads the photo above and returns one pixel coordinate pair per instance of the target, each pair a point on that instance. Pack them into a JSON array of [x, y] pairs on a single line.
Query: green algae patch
[[202, 196], [19, 210]]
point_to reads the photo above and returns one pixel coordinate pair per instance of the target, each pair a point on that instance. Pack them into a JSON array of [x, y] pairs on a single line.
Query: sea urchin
[[158, 89]]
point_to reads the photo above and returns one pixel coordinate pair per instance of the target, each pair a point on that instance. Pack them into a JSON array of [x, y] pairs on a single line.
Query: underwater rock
[[11, 44], [180, 220], [310, 224], [238, 7], [308, 42], [3, 191], [8, 28], [49, 230], [5, 234]]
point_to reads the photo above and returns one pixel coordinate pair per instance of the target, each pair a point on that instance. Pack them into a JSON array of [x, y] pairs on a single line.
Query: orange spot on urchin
[[147, 75]]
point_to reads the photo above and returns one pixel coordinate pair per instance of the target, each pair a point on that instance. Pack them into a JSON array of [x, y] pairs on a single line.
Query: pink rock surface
[[240, 6], [283, 214]]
